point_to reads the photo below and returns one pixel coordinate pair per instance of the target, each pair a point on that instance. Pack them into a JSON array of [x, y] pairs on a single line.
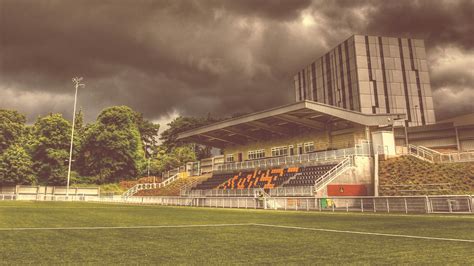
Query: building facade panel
[[372, 74]]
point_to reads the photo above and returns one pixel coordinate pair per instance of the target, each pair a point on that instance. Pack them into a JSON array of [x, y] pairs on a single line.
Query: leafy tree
[[112, 147], [148, 133], [16, 167], [79, 123], [165, 161], [12, 127], [182, 124], [50, 149]]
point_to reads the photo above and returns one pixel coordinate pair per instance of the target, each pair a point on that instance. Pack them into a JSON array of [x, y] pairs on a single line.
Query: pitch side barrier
[[406, 204], [301, 191]]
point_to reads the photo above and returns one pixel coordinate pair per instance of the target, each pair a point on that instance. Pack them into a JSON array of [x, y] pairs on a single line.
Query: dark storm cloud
[[221, 57], [438, 22]]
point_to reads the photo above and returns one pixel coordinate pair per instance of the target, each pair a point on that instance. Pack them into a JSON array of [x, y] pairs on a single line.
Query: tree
[[148, 133], [16, 167], [12, 127], [182, 124], [165, 161], [112, 147], [79, 123], [50, 149]]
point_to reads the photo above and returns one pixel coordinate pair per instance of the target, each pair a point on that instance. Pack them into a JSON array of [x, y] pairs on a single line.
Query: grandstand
[[309, 149], [267, 179]]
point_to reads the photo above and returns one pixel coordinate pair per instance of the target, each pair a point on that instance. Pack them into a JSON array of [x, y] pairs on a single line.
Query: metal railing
[[324, 156], [172, 172], [455, 157], [404, 204], [433, 156], [336, 171], [414, 204], [145, 186], [421, 153], [300, 191], [250, 192]]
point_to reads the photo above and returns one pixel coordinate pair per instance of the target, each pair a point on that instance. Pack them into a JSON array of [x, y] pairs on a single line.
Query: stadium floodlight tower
[[77, 84]]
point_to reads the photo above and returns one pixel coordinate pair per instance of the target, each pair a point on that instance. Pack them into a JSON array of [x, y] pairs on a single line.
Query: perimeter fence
[[405, 204]]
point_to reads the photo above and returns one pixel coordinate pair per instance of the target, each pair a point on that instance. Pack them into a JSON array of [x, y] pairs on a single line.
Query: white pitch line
[[119, 227], [225, 225], [366, 233]]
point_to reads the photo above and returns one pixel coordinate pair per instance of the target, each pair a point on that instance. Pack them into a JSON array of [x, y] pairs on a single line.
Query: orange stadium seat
[[266, 178]]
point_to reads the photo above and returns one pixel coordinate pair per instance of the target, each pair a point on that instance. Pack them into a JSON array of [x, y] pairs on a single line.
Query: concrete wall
[[361, 174], [49, 190]]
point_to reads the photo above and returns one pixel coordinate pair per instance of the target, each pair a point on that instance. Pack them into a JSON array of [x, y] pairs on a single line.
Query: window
[[257, 154], [229, 158], [279, 151], [291, 150], [308, 147]]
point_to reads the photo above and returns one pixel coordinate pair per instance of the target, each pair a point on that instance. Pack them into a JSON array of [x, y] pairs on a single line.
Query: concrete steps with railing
[[335, 172], [295, 176], [184, 190], [145, 186], [422, 153], [175, 188]]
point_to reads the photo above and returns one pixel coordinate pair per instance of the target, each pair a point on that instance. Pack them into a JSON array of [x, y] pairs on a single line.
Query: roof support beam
[[240, 132], [205, 141], [302, 121], [223, 139], [274, 129]]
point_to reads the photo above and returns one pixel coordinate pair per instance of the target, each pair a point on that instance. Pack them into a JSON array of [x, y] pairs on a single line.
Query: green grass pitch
[[84, 240]]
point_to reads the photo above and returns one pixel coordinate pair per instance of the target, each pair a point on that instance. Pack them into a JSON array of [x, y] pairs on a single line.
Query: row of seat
[[259, 179], [216, 180], [270, 178], [309, 175]]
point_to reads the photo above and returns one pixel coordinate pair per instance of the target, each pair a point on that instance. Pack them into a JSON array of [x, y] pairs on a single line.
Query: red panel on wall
[[347, 190]]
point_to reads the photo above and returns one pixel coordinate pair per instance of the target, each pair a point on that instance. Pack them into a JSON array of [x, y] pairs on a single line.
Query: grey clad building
[[372, 75]]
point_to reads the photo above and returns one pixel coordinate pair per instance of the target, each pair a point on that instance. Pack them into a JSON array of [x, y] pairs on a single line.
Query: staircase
[[138, 187], [289, 179], [184, 190], [336, 171], [423, 153]]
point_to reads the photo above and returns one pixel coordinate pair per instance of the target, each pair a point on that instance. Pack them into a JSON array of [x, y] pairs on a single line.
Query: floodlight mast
[[77, 84]]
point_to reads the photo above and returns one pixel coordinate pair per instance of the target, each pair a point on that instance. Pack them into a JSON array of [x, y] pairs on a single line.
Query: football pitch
[[93, 233]]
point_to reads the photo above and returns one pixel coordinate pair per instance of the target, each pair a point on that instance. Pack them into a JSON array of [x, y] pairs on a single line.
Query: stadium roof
[[283, 121], [462, 120]]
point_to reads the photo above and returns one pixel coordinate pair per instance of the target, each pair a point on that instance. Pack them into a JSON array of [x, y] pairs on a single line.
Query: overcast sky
[[165, 58]]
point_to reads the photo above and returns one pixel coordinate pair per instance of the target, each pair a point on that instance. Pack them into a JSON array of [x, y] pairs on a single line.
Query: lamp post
[[77, 84]]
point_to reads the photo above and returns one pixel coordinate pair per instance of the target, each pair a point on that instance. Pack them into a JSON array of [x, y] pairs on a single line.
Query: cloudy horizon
[[166, 58]]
